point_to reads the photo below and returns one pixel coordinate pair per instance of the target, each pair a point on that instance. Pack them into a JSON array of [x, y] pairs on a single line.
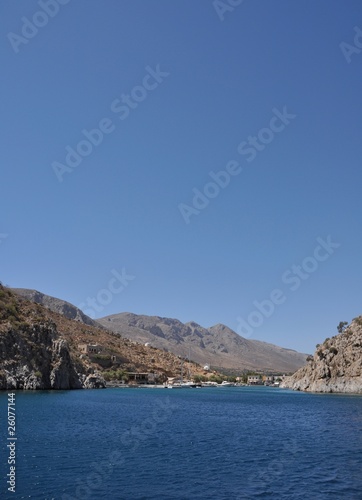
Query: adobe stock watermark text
[[30, 27], [122, 107], [104, 297], [224, 6], [251, 147], [293, 278], [348, 49]]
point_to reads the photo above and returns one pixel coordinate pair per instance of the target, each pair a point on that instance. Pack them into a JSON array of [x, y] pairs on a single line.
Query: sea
[[223, 443]]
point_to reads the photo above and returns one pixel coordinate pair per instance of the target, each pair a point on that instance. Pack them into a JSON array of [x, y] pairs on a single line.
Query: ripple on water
[[224, 444]]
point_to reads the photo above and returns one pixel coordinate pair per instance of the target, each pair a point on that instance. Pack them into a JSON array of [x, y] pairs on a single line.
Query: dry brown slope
[[219, 345], [57, 305], [38, 339]]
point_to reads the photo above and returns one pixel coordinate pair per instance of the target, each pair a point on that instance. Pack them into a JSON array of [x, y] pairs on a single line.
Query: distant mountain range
[[218, 346]]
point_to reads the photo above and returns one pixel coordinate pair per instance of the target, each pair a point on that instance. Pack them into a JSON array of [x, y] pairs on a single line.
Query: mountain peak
[[218, 345]]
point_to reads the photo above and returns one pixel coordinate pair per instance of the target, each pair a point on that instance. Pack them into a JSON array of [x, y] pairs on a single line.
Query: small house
[[255, 380], [90, 348]]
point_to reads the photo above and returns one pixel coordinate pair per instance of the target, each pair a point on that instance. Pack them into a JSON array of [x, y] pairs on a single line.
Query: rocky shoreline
[[336, 366], [35, 357]]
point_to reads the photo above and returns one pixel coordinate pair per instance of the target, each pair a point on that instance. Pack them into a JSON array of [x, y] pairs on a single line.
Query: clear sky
[[169, 91]]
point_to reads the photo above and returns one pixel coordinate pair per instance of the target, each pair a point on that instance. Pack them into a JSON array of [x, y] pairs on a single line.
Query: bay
[[147, 444]]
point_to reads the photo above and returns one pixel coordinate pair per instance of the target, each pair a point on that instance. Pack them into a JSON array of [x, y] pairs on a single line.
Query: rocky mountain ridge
[[336, 365], [218, 346], [57, 305]]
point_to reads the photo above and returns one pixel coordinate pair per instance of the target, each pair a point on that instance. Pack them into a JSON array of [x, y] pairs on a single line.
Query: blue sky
[[216, 81]]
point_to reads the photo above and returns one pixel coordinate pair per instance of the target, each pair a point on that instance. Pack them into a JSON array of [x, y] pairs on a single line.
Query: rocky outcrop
[[95, 381], [336, 365], [63, 374], [33, 356]]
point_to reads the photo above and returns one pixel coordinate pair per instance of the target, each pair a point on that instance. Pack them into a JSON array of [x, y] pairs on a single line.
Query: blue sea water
[[157, 444]]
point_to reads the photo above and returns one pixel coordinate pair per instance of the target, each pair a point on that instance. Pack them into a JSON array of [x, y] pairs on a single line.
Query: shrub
[[100, 356], [19, 325], [358, 320], [115, 375], [342, 326], [109, 375], [8, 309]]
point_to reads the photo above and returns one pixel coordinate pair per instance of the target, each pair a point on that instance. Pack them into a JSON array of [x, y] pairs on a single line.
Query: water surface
[[157, 444]]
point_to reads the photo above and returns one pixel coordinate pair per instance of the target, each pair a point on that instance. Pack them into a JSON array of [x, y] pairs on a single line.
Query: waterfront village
[[115, 376]]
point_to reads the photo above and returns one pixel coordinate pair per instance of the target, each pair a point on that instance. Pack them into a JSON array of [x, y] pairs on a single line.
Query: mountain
[[56, 305], [336, 365], [41, 349], [218, 346]]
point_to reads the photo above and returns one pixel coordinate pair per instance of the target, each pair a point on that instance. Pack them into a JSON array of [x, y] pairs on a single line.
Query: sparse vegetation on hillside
[[8, 306], [358, 320], [19, 317]]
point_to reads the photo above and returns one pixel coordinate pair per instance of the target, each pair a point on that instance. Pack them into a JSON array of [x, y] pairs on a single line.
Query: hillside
[[336, 365], [39, 349], [218, 346], [56, 305]]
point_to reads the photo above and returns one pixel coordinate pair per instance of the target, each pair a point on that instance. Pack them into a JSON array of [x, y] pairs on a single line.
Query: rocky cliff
[[34, 357], [336, 365], [33, 354]]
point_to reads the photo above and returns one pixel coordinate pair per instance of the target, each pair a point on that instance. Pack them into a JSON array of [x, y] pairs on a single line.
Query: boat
[[225, 383], [181, 383], [189, 384]]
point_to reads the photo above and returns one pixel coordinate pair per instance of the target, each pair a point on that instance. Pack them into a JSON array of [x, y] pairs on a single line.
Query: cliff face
[[336, 365], [33, 355]]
